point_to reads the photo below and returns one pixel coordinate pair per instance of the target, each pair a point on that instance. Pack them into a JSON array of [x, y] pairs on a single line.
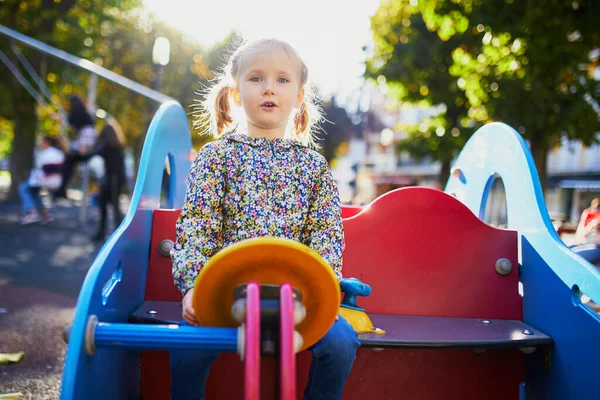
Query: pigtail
[[213, 114], [302, 122], [222, 110], [307, 118]]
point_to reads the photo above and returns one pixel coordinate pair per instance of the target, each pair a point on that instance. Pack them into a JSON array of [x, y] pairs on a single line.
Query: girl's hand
[[189, 315]]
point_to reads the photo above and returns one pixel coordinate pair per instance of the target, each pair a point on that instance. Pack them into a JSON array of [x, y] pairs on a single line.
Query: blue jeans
[[332, 360], [30, 197]]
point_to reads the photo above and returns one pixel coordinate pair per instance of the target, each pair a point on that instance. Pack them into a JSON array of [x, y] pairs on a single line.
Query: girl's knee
[[340, 342]]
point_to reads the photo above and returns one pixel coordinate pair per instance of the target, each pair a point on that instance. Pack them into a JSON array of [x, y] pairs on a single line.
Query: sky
[[328, 34]]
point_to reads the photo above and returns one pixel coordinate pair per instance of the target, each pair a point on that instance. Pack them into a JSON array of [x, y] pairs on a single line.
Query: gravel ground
[[41, 272], [33, 323]]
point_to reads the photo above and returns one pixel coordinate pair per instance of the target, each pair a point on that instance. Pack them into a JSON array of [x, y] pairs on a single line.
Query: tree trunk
[[25, 126], [444, 173], [25, 118], [539, 150]]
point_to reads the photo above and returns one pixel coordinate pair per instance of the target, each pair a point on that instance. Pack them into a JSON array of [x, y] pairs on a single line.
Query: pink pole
[[287, 355], [252, 345]]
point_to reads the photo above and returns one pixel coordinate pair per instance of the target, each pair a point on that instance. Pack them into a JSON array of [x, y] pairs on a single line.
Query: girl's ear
[[235, 94], [299, 99]]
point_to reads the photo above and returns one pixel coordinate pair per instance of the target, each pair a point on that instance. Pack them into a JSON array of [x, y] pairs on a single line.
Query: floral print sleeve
[[323, 230], [200, 225]]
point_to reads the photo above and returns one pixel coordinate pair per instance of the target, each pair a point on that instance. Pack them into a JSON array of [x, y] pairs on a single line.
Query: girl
[[260, 179], [46, 175], [109, 146]]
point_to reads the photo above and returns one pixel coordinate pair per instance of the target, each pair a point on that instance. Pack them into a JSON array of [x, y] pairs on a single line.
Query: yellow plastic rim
[[268, 260]]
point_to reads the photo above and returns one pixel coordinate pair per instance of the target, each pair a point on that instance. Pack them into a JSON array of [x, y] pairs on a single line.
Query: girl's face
[[268, 89]]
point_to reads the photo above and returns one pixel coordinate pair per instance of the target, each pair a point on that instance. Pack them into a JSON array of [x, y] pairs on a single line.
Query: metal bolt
[[164, 248], [527, 332], [503, 266], [151, 312], [486, 322]]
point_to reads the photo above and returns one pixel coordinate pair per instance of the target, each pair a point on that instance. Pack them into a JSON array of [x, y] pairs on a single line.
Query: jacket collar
[[261, 142]]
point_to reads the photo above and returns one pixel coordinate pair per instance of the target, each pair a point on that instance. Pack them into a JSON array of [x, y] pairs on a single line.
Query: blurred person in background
[[587, 228], [109, 145], [587, 239], [46, 174], [82, 124]]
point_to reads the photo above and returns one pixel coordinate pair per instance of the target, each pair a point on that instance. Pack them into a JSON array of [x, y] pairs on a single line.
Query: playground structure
[[469, 311], [41, 94]]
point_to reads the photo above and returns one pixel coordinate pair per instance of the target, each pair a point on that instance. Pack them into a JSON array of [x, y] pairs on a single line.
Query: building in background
[[371, 166], [573, 179]]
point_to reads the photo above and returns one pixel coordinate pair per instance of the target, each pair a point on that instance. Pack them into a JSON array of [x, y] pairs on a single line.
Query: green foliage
[[524, 63], [530, 69], [116, 34], [413, 56], [6, 136]]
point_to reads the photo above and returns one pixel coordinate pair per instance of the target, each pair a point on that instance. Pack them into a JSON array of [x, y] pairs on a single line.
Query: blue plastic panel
[[550, 272], [114, 374]]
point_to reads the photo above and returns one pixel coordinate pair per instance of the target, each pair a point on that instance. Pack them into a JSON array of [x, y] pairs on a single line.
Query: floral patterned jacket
[[242, 187]]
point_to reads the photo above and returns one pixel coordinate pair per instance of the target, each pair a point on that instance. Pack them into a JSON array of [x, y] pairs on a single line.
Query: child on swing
[[260, 179]]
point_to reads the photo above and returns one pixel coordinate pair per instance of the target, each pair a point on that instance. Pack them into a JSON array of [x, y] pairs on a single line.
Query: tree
[[412, 59], [336, 129], [116, 34], [50, 22], [523, 63], [532, 69]]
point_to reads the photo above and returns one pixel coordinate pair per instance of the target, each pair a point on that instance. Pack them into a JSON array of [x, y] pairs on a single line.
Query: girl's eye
[[282, 80], [255, 79]]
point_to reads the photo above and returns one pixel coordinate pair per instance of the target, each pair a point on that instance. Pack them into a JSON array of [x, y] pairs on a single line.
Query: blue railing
[[85, 65]]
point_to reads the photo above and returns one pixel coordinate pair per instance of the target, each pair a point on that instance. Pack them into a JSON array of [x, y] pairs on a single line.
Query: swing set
[[40, 92]]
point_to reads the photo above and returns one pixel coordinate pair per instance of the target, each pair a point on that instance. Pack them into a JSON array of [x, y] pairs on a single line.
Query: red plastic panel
[[423, 253], [159, 286], [435, 375], [350, 211], [226, 377], [159, 282]]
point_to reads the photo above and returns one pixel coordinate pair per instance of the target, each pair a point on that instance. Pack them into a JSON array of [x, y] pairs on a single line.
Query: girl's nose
[[267, 88]]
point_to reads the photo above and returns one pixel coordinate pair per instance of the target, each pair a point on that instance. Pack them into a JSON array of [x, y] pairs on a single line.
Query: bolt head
[[164, 248], [503, 266]]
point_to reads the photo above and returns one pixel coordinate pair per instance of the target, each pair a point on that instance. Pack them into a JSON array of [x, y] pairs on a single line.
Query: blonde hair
[[214, 111]]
